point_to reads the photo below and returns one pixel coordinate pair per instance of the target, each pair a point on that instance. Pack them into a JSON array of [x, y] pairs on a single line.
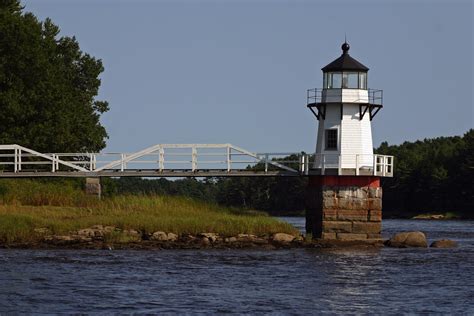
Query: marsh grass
[[61, 206]]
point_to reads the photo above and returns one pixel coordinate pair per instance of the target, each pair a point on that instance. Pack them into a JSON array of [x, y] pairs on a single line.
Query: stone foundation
[[344, 207], [93, 186]]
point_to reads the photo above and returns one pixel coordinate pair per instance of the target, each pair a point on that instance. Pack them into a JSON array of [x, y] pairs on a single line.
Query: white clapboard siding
[[356, 138], [355, 135], [332, 121], [345, 95]]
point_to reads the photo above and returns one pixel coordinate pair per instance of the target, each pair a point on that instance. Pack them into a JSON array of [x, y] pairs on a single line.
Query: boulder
[[160, 236], [283, 238], [172, 237], [444, 243], [246, 237], [408, 239]]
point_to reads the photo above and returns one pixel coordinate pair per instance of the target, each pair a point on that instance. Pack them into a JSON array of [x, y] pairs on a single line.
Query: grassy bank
[[61, 206]]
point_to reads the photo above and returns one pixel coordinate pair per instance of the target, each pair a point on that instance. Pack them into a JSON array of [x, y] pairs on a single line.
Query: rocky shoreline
[[110, 237]]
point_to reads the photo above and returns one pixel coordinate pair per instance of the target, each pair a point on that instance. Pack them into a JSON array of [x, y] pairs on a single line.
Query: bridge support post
[[344, 208], [93, 187]]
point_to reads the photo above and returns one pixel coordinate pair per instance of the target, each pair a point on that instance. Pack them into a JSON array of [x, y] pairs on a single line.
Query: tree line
[[433, 175]]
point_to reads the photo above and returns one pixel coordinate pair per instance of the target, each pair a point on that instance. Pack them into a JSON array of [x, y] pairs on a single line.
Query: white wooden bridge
[[183, 160]]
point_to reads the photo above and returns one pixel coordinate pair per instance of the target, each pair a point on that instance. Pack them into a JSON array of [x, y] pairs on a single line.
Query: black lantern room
[[345, 72], [340, 77]]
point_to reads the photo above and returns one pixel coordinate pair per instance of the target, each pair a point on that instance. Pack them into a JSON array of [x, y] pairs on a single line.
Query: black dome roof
[[345, 62]]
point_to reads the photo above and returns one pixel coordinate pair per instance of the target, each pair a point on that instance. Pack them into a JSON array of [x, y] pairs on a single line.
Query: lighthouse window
[[362, 80], [345, 80], [331, 139], [336, 81], [350, 80]]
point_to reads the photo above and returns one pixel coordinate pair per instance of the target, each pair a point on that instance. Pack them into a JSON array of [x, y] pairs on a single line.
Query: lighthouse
[[344, 197]]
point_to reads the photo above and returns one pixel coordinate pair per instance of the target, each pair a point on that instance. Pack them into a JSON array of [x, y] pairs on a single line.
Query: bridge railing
[[359, 164], [191, 159], [17, 158], [159, 158]]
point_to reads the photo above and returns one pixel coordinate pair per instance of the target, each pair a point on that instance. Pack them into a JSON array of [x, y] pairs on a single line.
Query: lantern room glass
[[345, 80]]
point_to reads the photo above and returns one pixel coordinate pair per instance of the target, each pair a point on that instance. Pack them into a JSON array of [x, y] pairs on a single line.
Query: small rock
[[211, 236], [172, 237], [444, 243], [161, 236], [205, 241], [283, 238], [246, 237], [408, 239], [230, 239]]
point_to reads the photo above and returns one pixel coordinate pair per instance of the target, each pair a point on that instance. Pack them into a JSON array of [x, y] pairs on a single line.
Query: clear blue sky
[[237, 71]]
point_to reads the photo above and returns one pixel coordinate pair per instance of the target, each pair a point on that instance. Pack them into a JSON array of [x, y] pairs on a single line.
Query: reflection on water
[[297, 281]]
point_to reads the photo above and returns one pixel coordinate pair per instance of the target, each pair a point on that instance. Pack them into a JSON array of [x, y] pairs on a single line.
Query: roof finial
[[345, 47]]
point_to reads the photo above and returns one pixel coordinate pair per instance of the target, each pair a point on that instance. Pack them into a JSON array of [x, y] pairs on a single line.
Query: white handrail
[[194, 158]]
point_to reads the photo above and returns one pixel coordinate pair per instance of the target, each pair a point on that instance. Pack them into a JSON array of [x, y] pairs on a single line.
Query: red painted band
[[350, 181]]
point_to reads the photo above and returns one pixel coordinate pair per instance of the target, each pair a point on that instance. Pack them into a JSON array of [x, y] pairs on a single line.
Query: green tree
[[433, 175], [47, 86]]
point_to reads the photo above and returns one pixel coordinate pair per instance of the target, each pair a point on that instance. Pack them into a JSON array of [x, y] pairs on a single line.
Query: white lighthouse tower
[[344, 108], [344, 196]]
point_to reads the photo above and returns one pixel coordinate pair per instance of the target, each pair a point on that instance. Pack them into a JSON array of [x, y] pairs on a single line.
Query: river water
[[295, 281]]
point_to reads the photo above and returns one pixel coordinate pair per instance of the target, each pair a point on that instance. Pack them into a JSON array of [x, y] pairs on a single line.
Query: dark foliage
[[47, 86], [433, 175]]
